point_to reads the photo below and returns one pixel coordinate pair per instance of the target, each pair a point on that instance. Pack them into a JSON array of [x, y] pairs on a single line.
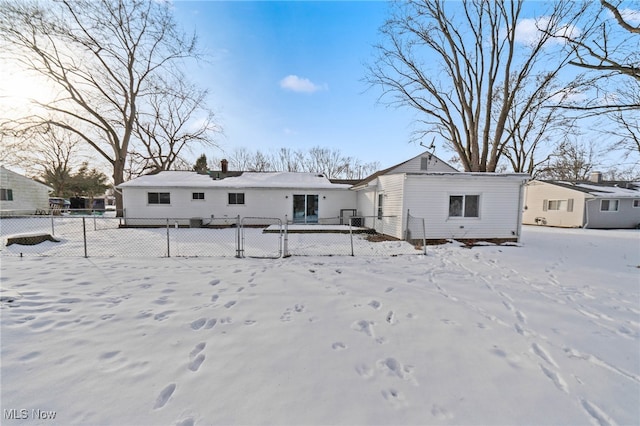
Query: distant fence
[[94, 235]]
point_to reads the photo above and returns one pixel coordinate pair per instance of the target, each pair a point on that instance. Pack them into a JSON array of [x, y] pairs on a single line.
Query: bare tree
[[608, 43], [175, 120], [534, 124], [51, 156], [574, 161], [607, 48], [327, 161], [101, 55], [288, 160], [463, 65]]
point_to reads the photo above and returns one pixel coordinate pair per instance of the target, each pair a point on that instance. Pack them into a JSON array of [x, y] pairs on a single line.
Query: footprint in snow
[[364, 326], [198, 324], [375, 304], [195, 364], [164, 396], [197, 349], [229, 304], [338, 346], [395, 397]]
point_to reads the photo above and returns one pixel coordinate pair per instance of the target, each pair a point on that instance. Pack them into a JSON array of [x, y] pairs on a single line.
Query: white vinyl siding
[[464, 206], [259, 202], [22, 194], [499, 204]]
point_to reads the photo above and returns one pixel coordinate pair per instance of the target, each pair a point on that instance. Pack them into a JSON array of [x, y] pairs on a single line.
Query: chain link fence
[[76, 235]]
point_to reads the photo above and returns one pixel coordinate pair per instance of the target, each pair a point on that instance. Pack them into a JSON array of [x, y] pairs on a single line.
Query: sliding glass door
[[305, 208]]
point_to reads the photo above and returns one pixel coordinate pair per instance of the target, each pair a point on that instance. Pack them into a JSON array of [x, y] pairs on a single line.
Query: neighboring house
[[585, 204], [454, 204], [21, 195]]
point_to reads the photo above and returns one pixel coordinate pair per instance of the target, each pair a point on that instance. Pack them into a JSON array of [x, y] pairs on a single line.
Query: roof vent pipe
[[595, 177]]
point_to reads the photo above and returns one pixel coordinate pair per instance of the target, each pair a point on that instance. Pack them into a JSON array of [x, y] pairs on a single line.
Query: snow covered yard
[[544, 333]]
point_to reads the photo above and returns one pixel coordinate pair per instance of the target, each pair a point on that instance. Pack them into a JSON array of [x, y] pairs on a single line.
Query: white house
[[297, 197], [21, 195], [584, 204], [454, 204]]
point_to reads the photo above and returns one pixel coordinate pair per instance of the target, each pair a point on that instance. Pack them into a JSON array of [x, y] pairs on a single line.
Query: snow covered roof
[[602, 189], [183, 179], [170, 179]]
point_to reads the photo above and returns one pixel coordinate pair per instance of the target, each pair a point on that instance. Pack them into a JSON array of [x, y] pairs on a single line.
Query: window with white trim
[[464, 206], [636, 202], [197, 196], [6, 194], [558, 205], [159, 197], [236, 197], [609, 205]]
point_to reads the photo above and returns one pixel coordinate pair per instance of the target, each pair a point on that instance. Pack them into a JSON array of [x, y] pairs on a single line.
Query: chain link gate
[[260, 237]]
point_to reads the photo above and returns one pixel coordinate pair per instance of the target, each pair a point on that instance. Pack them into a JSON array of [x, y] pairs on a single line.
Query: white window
[[636, 203], [464, 206], [380, 202], [236, 198], [159, 197], [558, 205], [608, 205], [197, 196]]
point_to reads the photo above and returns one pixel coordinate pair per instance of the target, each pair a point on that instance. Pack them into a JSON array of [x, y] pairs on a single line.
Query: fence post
[[285, 242], [406, 231], [351, 234], [238, 230], [53, 229], [84, 235], [168, 244], [424, 237]]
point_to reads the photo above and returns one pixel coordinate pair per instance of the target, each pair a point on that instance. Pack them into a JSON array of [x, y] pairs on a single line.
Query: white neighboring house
[[457, 205], [454, 204], [21, 195], [584, 204], [296, 197]]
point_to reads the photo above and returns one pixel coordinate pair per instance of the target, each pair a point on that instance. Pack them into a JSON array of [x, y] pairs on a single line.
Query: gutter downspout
[[586, 212], [520, 207]]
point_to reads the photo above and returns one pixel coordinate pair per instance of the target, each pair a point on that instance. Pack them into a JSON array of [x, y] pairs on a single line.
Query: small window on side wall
[[464, 206], [608, 205], [236, 198], [197, 196], [6, 194], [158, 197], [636, 203]]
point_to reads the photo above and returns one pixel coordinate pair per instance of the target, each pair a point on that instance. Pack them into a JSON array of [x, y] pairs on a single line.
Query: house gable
[[422, 163]]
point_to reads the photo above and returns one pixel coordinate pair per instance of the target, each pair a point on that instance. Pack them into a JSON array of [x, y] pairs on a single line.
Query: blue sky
[[290, 74]]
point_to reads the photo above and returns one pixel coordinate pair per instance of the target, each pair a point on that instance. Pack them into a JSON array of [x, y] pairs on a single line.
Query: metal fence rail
[[109, 236]]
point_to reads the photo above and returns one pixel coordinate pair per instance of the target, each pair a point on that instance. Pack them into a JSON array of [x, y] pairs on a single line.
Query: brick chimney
[[224, 166]]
